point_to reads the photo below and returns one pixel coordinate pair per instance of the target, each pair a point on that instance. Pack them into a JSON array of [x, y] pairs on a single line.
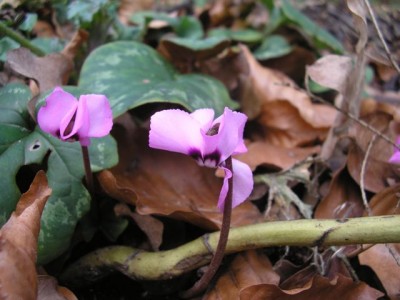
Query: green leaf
[[29, 21], [238, 35], [20, 146], [131, 74], [189, 27], [49, 45], [272, 47], [7, 44], [320, 36], [198, 45]]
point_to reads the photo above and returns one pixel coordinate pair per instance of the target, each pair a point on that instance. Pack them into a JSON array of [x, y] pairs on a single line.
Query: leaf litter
[[298, 149]]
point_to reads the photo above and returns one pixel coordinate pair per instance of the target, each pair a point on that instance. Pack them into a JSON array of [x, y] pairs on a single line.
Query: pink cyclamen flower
[[67, 118], [210, 142], [395, 158]]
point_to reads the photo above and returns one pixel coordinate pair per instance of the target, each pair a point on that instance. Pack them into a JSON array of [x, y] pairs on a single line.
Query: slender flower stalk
[[202, 284], [211, 143], [70, 119]]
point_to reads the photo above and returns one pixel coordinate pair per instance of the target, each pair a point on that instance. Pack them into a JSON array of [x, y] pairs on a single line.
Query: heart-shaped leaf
[[131, 74], [21, 146]]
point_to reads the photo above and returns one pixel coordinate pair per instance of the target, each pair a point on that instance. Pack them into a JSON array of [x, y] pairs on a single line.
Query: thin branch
[[24, 42], [380, 35], [362, 175], [143, 265]]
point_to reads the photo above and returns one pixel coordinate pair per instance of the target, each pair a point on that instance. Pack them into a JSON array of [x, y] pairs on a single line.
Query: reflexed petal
[[242, 182], [80, 123], [59, 106], [205, 117], [175, 130], [395, 158], [229, 139], [100, 115], [224, 189]]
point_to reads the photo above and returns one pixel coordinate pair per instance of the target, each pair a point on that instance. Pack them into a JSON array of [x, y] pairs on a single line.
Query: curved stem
[[202, 284], [142, 265], [24, 42]]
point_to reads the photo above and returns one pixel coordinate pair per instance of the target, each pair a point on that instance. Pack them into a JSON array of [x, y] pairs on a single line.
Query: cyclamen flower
[[395, 158], [69, 119], [210, 142]]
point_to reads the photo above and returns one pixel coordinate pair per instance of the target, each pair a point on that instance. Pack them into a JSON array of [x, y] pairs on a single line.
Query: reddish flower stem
[[88, 170], [204, 281]]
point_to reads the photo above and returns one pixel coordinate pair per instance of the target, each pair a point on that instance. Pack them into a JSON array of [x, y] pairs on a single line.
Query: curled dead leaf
[[264, 153], [250, 268], [286, 113], [18, 243]]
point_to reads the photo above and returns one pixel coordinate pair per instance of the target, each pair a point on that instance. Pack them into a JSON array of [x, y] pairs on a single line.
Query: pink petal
[[205, 117], [229, 139], [175, 130], [59, 105], [224, 189], [395, 158], [100, 115], [242, 184], [80, 123]]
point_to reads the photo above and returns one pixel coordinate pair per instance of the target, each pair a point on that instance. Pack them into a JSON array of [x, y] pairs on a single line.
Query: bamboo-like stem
[[205, 280], [24, 42], [88, 170], [143, 265]]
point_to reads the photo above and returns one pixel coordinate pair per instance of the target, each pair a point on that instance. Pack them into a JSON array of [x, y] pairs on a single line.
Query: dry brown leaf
[[71, 49], [318, 288], [128, 7], [152, 227], [331, 71], [247, 269], [381, 260], [386, 202], [171, 184], [293, 64], [227, 67], [44, 29], [49, 71], [286, 113], [378, 170], [343, 199], [18, 243], [261, 153], [50, 290]]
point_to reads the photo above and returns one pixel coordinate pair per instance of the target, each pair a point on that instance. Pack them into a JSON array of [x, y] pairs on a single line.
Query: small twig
[[205, 280], [362, 174], [88, 170], [21, 40], [355, 119], [380, 35]]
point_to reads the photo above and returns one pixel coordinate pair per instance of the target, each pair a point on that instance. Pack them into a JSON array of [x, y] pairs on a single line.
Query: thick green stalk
[[24, 42], [143, 265]]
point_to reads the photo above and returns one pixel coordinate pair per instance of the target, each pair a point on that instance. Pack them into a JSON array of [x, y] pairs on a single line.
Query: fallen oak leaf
[[286, 113], [264, 153], [318, 288], [50, 290], [49, 71], [249, 268], [18, 242]]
